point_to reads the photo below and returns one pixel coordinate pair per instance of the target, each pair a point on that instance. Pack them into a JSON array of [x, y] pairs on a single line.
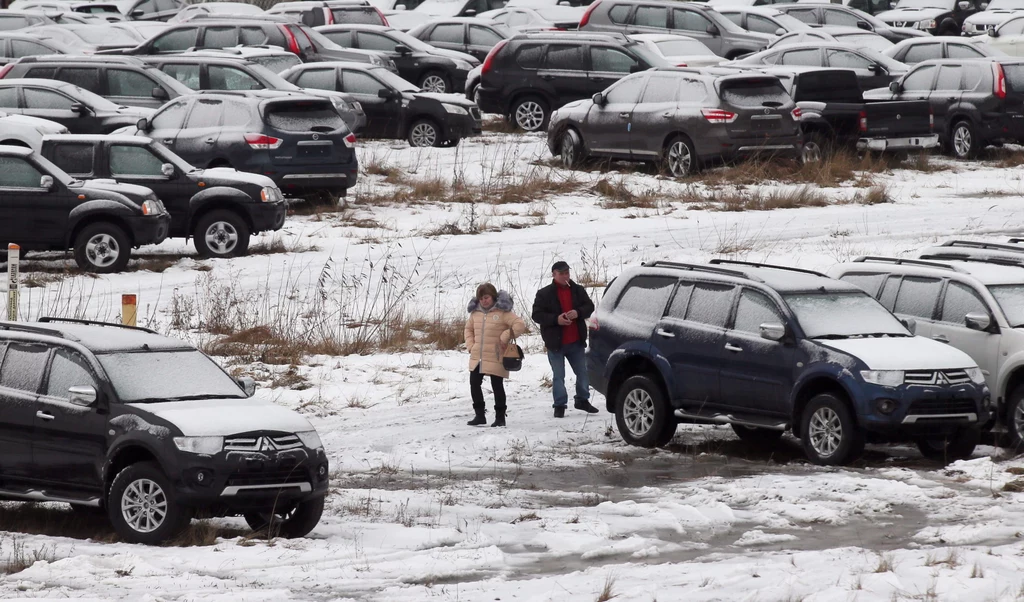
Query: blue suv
[[769, 349]]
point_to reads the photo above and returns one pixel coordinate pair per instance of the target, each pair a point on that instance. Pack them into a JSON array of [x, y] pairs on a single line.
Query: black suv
[[680, 119], [121, 79], [432, 69], [528, 76], [80, 425], [874, 70], [44, 209], [394, 108], [220, 208], [475, 37], [975, 102], [329, 12], [298, 140], [769, 349], [79, 110]]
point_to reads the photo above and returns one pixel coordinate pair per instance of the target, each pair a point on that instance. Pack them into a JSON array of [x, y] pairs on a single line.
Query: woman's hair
[[486, 289]]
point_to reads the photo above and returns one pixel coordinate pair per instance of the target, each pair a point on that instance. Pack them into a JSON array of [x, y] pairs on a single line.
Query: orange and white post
[[13, 280], [129, 310]]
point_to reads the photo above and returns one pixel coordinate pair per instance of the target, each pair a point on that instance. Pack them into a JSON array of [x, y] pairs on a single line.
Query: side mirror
[[83, 395], [983, 5], [978, 321], [713, 30], [469, 12], [135, 14], [386, 93], [895, 87], [79, 108], [963, 5], [780, 32], [598, 99], [773, 331], [402, 49], [911, 325], [167, 169], [46, 182], [878, 69], [399, 7], [864, 25], [160, 94], [993, 33], [142, 124], [248, 385]]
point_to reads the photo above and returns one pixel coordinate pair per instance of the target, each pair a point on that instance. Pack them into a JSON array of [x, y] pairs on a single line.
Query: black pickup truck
[[834, 115]]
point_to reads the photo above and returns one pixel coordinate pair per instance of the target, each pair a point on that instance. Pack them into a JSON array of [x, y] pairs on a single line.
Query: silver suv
[[969, 295]]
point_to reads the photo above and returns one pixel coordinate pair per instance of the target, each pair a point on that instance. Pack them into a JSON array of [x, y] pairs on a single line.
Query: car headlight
[[976, 375], [341, 105], [456, 109], [885, 378], [926, 24], [150, 207], [200, 445], [270, 195], [463, 66], [356, 107], [310, 439]]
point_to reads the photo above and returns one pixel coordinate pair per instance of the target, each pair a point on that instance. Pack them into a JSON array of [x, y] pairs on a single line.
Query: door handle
[[210, 140], [661, 332], [624, 115], [44, 415], [666, 115], [547, 77], [168, 140], [733, 348], [940, 338]]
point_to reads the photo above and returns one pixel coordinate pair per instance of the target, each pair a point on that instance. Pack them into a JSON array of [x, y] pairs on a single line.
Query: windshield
[[410, 41], [790, 23], [105, 36], [277, 62], [865, 40], [683, 48], [167, 376], [393, 80], [943, 4], [94, 101], [1011, 300], [650, 57], [818, 314], [164, 153], [1006, 5], [320, 40]]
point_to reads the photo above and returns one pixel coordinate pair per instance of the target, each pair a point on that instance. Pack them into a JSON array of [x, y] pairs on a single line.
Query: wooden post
[[13, 280], [129, 310]]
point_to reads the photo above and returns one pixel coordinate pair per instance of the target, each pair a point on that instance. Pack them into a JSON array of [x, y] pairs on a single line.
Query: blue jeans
[[576, 354]]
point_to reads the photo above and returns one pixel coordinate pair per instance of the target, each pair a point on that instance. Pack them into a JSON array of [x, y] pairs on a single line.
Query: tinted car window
[[962, 51], [176, 41], [709, 304], [919, 80], [922, 52], [661, 88], [252, 36], [610, 60], [753, 92], [341, 38], [22, 48], [689, 20], [753, 310], [357, 82], [530, 56], [847, 60], [761, 25], [645, 297], [677, 309], [76, 159], [917, 297], [235, 114], [68, 370], [23, 366], [453, 33], [838, 17], [186, 74], [36, 98], [303, 116], [651, 16], [121, 82], [807, 16], [205, 114], [171, 117], [1014, 77], [130, 160], [869, 283], [9, 98], [692, 91], [949, 78], [318, 79], [42, 73], [373, 41], [16, 172], [88, 78], [1009, 28], [888, 296], [809, 57], [961, 300], [619, 13], [565, 57], [366, 16], [482, 36], [627, 91], [220, 37], [230, 78]]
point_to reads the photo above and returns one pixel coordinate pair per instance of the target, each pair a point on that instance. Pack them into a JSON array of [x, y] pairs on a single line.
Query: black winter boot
[[499, 417], [560, 412], [479, 419]]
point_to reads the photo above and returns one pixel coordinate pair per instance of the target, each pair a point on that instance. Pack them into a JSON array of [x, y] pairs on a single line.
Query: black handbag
[[512, 360]]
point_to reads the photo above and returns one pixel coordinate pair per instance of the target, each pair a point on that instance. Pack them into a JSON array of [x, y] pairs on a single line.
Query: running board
[[730, 419], [42, 496]]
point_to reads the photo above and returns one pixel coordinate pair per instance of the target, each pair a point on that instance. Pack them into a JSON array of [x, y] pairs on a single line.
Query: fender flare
[[112, 210], [204, 198]]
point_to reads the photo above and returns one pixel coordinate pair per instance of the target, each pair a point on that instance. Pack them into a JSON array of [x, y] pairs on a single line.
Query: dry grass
[[1014, 486], [607, 592], [617, 195], [1007, 158], [760, 200], [277, 245], [527, 187], [500, 126], [886, 563]]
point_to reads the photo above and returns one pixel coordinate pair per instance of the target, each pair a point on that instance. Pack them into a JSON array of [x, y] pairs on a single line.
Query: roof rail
[[754, 264], [901, 261], [1015, 241], [1007, 261], [50, 320], [23, 327], [974, 244], [698, 268]]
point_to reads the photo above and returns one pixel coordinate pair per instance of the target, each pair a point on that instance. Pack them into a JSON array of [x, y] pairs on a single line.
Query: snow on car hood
[[230, 173], [43, 126], [910, 14], [452, 99], [991, 17], [909, 353], [222, 417], [694, 60]]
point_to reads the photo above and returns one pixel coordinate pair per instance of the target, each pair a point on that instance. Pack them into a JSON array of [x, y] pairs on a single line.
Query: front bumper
[[463, 126], [267, 216], [923, 410], [897, 144], [334, 178], [149, 229]]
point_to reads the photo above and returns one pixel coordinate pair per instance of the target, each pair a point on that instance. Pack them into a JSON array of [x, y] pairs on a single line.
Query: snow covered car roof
[[99, 337]]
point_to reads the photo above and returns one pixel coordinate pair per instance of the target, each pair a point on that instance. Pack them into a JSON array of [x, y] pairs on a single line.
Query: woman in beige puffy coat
[[489, 328]]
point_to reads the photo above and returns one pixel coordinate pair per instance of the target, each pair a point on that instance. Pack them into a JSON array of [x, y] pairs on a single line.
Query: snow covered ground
[[424, 507]]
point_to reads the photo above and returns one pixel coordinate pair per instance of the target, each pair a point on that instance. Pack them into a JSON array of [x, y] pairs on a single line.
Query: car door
[[653, 113], [134, 89], [649, 19], [653, 117], [384, 116], [407, 64], [136, 164], [958, 300], [563, 76], [166, 125], [481, 40], [607, 128], [756, 374], [917, 85], [69, 437], [20, 377], [607, 66], [224, 77], [861, 65], [692, 23], [945, 93], [56, 106], [917, 298], [197, 141], [39, 216], [450, 36], [918, 53]]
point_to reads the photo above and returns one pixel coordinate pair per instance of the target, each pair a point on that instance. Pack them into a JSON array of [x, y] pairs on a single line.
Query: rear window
[[75, 159], [304, 116], [366, 16], [1014, 77], [754, 93], [530, 56]]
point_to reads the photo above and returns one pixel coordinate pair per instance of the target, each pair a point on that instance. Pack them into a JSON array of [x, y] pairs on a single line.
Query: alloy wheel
[[1018, 421], [962, 140], [530, 115], [423, 134], [144, 505], [568, 150], [811, 152], [638, 412], [825, 432], [102, 250], [434, 83], [679, 159], [221, 238]]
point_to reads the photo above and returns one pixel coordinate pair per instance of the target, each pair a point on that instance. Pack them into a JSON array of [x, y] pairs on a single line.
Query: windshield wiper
[[182, 398], [833, 336]]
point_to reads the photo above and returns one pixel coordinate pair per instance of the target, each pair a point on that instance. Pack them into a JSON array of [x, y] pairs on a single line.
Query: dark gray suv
[[679, 118], [697, 21]]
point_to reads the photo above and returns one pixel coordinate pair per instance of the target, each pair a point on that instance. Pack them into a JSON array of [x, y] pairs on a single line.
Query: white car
[[681, 51], [537, 18], [227, 9], [762, 19], [21, 130], [993, 14], [1009, 36], [918, 50], [851, 36]]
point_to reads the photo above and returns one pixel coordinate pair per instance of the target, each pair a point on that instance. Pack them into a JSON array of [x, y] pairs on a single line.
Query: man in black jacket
[[561, 309]]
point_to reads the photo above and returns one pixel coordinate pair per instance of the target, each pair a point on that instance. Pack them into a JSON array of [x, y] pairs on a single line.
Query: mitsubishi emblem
[[317, 136], [767, 111], [940, 379], [265, 444]]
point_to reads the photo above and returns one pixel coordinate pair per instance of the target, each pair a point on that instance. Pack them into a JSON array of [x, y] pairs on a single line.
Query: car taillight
[[293, 44], [796, 113], [586, 15], [999, 85], [931, 120], [350, 140], [262, 142], [6, 69], [718, 116], [382, 17], [863, 121], [489, 60], [328, 16], [681, 65]]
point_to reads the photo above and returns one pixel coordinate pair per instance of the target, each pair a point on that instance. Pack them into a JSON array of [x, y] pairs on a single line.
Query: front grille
[[265, 443], [903, 23], [269, 477], [938, 378], [932, 407]]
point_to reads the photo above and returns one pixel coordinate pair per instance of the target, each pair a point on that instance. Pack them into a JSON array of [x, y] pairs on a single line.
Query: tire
[[141, 483], [103, 248], [219, 163], [963, 140], [435, 81], [829, 432], [474, 94], [297, 522], [450, 143], [1014, 419], [757, 436], [424, 133], [221, 233], [678, 158], [570, 149], [642, 415], [816, 149], [530, 113], [957, 446]]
